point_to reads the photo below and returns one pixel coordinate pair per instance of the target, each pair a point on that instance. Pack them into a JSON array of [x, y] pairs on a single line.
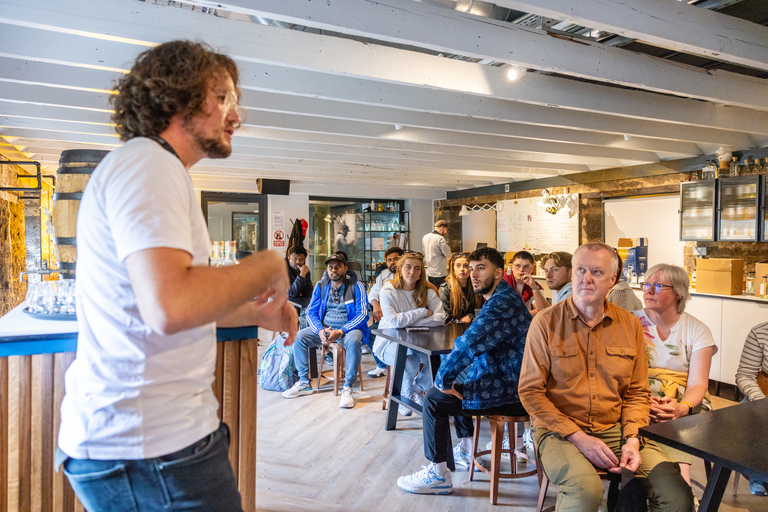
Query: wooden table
[[436, 341], [35, 354], [733, 439]]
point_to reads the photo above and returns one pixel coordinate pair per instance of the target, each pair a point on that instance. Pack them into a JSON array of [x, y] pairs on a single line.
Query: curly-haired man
[[139, 429]]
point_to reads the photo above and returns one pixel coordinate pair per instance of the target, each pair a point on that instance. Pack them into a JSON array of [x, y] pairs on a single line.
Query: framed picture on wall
[[245, 231]]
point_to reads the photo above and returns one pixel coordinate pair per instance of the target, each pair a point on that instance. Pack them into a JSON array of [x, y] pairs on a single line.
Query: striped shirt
[[754, 358]]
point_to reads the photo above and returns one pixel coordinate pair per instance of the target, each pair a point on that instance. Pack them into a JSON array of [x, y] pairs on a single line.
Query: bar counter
[[35, 354]]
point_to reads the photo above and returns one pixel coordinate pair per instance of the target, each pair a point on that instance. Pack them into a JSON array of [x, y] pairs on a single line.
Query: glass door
[[738, 206], [237, 217], [697, 210]]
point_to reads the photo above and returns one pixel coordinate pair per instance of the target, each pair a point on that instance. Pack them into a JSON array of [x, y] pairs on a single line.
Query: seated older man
[[584, 382]]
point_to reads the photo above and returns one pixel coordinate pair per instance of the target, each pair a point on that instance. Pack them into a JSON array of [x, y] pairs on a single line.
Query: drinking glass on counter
[[52, 297]]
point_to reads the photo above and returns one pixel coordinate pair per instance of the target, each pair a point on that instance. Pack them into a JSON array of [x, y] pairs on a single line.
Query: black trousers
[[437, 410], [437, 281]]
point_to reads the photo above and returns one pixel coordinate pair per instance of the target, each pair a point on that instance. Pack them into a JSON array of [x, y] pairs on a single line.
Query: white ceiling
[[400, 98]]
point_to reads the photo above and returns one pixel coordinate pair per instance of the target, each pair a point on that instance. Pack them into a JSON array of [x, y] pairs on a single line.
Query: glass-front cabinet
[[697, 210], [376, 232], [764, 209], [738, 206]]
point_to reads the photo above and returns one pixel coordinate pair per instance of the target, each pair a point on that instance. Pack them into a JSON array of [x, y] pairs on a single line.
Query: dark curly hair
[[168, 79]]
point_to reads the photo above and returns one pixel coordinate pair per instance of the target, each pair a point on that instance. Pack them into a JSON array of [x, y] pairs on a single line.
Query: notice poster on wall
[[522, 224]]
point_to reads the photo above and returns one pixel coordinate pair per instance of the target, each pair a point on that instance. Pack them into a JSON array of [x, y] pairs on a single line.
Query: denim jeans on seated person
[[198, 477], [352, 343], [412, 361]]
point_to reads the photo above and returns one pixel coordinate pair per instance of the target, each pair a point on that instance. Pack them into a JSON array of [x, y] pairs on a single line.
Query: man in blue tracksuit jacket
[[337, 313]]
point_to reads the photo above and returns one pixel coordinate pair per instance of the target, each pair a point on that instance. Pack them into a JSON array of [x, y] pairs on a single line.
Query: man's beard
[[393, 268], [335, 277], [213, 148], [485, 287]]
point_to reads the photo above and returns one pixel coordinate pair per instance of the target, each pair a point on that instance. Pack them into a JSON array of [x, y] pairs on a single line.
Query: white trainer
[[404, 411], [504, 445], [303, 387], [377, 372], [461, 458], [347, 400], [426, 481]]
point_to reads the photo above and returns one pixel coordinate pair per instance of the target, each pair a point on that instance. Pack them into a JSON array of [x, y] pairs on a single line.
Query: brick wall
[[13, 251]]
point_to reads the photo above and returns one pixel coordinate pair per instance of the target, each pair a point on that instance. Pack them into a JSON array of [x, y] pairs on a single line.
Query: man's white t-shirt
[[133, 393]]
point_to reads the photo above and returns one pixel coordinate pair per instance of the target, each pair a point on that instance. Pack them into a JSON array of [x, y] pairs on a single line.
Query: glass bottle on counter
[[764, 287], [750, 286]]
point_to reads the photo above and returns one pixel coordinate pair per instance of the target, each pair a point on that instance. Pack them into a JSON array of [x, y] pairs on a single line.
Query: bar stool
[[497, 438], [338, 366], [613, 488]]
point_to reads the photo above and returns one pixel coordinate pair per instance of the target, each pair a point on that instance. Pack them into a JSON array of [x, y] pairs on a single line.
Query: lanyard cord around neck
[[164, 144]]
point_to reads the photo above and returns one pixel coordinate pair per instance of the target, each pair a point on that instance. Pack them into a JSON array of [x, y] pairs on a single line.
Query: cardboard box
[[720, 275], [761, 269]]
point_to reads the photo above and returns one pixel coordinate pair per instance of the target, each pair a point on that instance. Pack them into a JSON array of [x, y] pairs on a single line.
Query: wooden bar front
[[31, 391]]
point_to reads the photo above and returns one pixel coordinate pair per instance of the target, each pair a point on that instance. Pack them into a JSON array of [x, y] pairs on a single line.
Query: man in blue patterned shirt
[[492, 348]]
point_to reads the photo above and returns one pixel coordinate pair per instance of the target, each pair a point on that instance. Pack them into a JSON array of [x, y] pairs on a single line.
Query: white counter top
[[18, 323]]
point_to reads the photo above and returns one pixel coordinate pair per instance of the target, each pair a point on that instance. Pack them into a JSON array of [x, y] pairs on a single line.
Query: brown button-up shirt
[[576, 377]]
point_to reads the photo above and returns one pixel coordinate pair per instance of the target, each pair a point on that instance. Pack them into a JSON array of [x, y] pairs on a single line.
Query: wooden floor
[[313, 456]]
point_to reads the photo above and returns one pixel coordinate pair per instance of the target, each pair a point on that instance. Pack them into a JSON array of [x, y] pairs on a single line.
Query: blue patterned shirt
[[493, 348]]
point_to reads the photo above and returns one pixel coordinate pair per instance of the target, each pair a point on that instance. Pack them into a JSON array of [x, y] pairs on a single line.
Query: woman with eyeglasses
[[679, 349], [409, 299], [457, 293]]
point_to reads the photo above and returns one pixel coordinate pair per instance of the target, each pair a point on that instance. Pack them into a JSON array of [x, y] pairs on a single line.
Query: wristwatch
[[640, 439]]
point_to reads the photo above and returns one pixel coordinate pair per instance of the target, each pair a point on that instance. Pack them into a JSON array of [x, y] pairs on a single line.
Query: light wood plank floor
[[313, 456]]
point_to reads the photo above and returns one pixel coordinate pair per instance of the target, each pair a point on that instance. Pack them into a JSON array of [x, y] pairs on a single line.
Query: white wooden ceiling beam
[[674, 25], [261, 44], [289, 83], [440, 29]]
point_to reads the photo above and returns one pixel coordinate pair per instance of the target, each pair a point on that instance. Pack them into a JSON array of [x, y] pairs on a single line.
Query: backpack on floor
[[277, 371]]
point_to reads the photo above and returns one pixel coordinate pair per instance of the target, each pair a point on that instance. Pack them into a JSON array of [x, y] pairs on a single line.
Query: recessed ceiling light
[[512, 74]]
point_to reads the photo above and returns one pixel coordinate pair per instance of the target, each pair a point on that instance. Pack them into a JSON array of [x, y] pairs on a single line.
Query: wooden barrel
[[75, 168]]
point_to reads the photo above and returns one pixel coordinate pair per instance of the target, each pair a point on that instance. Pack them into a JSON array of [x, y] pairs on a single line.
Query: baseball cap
[[336, 257]]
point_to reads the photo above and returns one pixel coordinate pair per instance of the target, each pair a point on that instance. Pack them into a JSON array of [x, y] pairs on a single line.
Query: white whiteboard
[[655, 218], [524, 225], [478, 227]]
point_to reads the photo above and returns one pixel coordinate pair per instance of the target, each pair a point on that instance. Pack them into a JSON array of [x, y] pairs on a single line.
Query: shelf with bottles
[[383, 222], [698, 210], [738, 207]]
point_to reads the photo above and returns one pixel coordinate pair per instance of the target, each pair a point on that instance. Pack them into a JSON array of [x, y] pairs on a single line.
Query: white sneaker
[[365, 350], [426, 481], [347, 400], [461, 458], [377, 372], [404, 411], [504, 445], [417, 397], [303, 387], [528, 439]]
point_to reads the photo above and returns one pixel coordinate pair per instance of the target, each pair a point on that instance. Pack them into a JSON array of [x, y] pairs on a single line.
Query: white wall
[[655, 218], [422, 220], [478, 227], [295, 206]]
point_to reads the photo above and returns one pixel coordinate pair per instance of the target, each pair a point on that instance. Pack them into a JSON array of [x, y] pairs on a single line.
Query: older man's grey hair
[[600, 246]]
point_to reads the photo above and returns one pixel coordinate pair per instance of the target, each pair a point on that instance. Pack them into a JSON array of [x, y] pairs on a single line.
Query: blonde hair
[[422, 285], [459, 301]]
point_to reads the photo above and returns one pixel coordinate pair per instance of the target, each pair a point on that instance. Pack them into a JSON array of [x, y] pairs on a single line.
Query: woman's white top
[[686, 337], [398, 310]]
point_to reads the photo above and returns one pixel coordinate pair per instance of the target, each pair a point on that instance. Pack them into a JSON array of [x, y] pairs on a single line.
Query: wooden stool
[[497, 438], [338, 366], [387, 386], [613, 488]]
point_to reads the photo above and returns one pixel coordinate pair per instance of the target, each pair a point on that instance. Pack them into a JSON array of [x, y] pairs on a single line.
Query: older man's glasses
[[656, 287]]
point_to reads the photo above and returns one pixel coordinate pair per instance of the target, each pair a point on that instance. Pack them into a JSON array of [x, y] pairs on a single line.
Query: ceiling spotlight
[[398, 127], [512, 74]]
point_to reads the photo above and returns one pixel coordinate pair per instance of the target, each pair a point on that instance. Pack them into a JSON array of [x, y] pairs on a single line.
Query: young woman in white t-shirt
[[679, 349], [409, 299]]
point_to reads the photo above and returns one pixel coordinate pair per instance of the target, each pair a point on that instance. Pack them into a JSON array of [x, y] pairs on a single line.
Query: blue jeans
[[352, 343], [198, 477], [412, 361]]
